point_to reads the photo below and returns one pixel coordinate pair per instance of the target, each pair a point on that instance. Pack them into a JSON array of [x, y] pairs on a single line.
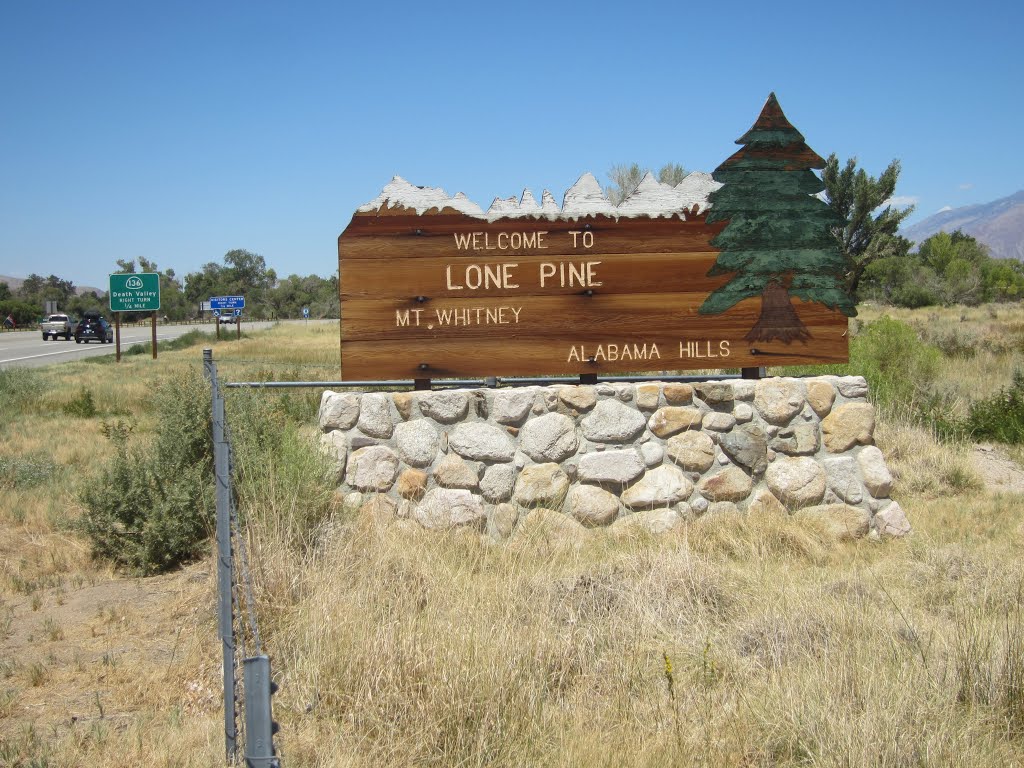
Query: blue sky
[[179, 131]]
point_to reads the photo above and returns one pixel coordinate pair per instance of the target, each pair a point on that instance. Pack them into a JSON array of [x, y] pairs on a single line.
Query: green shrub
[[1000, 417], [150, 508], [83, 405], [900, 368], [27, 471], [142, 516], [914, 296]]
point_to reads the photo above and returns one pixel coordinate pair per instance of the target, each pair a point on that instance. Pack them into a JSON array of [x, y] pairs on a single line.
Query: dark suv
[[93, 326]]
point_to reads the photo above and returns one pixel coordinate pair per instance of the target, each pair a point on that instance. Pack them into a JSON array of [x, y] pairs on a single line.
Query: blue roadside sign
[[305, 311], [238, 313], [216, 313], [227, 302]]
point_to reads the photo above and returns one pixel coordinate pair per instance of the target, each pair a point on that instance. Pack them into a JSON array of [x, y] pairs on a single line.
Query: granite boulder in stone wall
[[412, 484], [647, 396], [375, 415], [444, 407], [620, 466], [892, 521], [417, 442], [797, 440], [338, 410], [714, 392], [449, 508], [876, 475], [820, 396], [841, 520], [693, 451], [731, 484], [718, 422], [848, 425], [547, 525], [592, 506], [779, 400], [403, 403], [481, 442], [541, 485], [453, 471], [497, 482], [612, 422], [378, 507], [511, 406], [673, 419], [582, 398], [503, 520], [843, 479], [654, 521], [335, 448], [551, 437], [659, 487], [372, 469], [748, 446], [852, 387], [678, 393], [764, 503], [797, 482], [743, 389], [722, 508], [652, 454]]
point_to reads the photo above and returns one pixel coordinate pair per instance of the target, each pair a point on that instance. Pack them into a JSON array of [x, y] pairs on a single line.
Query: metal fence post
[[225, 576]]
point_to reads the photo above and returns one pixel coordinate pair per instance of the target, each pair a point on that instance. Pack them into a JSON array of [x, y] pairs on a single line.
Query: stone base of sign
[[621, 455]]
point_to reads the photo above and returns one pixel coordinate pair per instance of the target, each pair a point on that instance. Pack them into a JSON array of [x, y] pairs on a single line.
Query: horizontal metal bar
[[470, 383]]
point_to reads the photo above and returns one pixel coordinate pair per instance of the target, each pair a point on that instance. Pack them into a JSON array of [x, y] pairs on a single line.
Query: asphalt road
[[27, 348]]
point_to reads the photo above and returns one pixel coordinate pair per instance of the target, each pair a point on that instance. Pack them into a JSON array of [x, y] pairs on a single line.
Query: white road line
[[70, 351]]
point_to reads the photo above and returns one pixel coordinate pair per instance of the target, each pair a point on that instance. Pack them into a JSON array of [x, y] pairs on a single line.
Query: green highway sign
[[135, 292]]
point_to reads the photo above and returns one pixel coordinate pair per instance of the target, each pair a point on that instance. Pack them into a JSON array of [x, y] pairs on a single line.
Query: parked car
[[56, 325], [93, 326], [227, 319]]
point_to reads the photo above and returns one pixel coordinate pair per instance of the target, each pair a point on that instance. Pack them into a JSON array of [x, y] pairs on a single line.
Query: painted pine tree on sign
[[778, 242]]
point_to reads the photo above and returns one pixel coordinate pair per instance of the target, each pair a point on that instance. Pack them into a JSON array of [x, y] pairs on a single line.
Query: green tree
[[5, 292], [37, 290], [243, 274], [23, 312], [778, 242], [866, 231]]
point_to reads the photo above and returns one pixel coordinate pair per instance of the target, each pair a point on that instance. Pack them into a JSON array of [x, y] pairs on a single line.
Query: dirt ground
[[108, 649], [999, 473]]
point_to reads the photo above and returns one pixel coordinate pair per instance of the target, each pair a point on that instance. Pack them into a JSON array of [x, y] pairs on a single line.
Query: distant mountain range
[[999, 225], [14, 283]]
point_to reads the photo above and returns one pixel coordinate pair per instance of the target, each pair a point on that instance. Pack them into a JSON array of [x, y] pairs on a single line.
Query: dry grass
[[733, 641]]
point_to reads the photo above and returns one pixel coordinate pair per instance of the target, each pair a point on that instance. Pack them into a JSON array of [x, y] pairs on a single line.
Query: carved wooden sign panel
[[733, 269]]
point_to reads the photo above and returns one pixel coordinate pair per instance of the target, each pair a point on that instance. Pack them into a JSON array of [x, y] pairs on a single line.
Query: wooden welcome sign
[[734, 269]]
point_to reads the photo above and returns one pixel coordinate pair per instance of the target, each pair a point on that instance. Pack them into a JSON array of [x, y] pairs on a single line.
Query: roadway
[[27, 348]]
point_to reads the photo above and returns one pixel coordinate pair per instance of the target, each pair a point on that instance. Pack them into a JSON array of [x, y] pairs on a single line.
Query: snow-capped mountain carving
[[584, 198], [399, 193]]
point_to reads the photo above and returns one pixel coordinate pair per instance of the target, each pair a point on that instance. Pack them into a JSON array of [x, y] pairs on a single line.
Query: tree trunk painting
[[778, 319]]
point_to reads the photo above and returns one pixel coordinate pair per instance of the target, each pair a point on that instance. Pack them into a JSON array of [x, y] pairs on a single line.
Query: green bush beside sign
[[135, 292]]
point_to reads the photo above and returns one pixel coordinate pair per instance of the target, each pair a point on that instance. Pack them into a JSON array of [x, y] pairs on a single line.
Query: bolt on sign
[[135, 292], [737, 268]]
